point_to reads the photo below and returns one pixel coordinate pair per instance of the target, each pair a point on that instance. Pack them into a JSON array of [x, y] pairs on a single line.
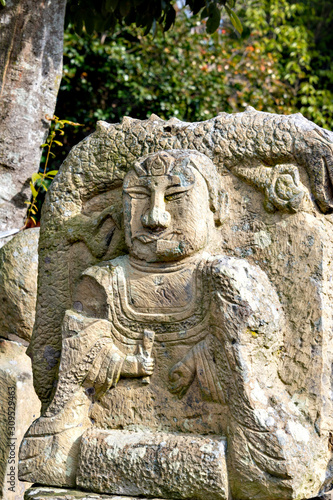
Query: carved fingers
[[145, 363], [138, 365], [105, 369]]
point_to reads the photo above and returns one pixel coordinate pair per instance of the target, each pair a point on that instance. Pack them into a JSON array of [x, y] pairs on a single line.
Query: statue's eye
[[139, 196], [138, 193], [174, 196]]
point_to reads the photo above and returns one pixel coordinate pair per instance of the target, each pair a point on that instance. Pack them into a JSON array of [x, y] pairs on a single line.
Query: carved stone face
[[166, 213]]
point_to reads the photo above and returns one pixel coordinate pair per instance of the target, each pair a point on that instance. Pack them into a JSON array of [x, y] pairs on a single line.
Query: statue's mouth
[[145, 237]]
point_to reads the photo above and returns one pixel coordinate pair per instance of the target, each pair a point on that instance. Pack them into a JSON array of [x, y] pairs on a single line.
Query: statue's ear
[[222, 212]]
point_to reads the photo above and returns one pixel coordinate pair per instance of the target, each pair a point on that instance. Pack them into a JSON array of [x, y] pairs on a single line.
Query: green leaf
[[3, 3], [111, 5], [44, 145], [33, 190], [71, 123], [213, 22], [52, 154], [58, 143], [52, 173], [154, 28], [35, 176], [235, 21], [169, 19], [124, 8], [44, 186], [89, 22], [78, 21], [204, 13]]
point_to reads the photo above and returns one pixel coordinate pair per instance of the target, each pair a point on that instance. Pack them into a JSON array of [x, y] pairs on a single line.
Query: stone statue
[[173, 378]]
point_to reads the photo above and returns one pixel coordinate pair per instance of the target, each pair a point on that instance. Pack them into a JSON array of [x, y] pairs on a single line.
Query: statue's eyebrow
[[176, 186], [137, 183]]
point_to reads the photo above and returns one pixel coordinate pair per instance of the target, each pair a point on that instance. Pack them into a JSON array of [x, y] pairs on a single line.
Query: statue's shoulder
[[104, 270], [239, 282], [94, 289], [237, 271]]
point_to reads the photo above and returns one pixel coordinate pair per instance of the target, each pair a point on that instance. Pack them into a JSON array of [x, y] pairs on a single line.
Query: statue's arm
[[247, 325]]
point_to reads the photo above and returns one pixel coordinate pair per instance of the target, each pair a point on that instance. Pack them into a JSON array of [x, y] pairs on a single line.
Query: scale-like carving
[[176, 339]]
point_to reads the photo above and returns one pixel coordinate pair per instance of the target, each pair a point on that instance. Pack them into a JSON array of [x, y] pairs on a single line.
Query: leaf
[[34, 177], [111, 5], [44, 145], [52, 172], [58, 143], [45, 187], [3, 3], [196, 6], [204, 13], [154, 28], [78, 20], [169, 19], [33, 211], [89, 22], [52, 154], [72, 123], [148, 27], [33, 190], [213, 22], [235, 21], [33, 220], [124, 8]]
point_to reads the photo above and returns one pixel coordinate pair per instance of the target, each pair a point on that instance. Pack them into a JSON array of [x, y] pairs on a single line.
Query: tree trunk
[[31, 47]]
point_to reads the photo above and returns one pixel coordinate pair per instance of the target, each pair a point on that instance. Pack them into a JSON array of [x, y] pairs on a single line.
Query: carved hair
[[164, 162]]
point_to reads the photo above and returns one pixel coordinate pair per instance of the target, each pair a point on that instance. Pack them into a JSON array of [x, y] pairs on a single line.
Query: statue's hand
[[145, 363], [103, 373], [138, 365], [180, 377]]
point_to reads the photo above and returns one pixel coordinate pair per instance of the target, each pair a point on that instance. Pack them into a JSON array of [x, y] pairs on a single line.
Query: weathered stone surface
[[31, 47], [19, 407], [42, 493], [207, 314], [136, 463], [18, 285]]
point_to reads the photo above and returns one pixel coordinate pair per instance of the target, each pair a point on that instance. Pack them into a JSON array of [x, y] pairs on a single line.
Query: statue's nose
[[156, 218]]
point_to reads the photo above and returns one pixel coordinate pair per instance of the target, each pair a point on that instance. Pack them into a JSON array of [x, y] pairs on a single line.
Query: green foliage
[[104, 15], [40, 182], [300, 35], [282, 63]]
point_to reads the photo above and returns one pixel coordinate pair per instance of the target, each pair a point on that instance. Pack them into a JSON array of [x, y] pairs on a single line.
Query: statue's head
[[171, 202]]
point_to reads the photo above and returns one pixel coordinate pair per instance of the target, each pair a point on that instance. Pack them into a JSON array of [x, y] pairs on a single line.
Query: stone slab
[[145, 463], [42, 493], [19, 406], [18, 285]]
